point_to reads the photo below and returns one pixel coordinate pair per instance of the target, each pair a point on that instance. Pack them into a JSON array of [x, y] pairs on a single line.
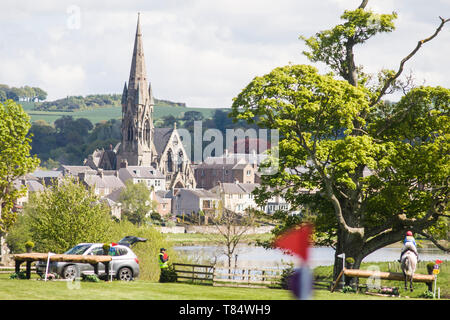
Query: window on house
[[249, 172], [206, 204]]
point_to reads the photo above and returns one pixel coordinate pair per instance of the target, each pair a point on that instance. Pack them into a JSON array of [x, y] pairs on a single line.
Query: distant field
[[100, 114]]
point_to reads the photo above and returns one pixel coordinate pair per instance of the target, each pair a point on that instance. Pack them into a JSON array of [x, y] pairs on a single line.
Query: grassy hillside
[[106, 113]]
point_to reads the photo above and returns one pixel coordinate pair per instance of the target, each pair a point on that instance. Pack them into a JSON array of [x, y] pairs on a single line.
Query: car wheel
[[125, 274], [70, 272]]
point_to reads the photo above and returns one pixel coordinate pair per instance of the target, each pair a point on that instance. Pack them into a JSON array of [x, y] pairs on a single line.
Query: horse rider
[[409, 243], [163, 258]]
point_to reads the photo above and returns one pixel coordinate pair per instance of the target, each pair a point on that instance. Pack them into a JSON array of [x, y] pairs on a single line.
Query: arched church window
[[169, 161], [147, 132], [180, 161], [130, 133]]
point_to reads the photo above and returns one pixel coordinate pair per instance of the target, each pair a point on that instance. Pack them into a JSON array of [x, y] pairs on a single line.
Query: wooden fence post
[[337, 280]]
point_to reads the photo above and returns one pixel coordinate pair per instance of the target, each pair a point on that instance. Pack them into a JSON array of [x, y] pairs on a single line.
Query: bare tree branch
[[363, 4], [436, 243], [404, 60]]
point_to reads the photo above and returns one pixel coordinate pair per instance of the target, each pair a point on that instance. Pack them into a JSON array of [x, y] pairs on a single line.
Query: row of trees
[[91, 101], [72, 103], [25, 93], [70, 140]]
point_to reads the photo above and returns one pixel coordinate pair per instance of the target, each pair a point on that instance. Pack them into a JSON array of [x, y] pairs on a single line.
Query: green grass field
[[324, 273], [184, 239], [100, 114], [134, 290], [13, 289], [34, 289]]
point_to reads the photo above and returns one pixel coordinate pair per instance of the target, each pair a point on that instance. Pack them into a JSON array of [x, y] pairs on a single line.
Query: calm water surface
[[250, 256]]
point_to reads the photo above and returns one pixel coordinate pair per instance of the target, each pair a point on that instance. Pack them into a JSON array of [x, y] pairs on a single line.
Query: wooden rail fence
[[227, 277], [381, 275], [249, 277], [194, 272]]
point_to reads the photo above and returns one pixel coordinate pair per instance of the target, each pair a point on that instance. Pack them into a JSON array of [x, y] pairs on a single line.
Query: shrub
[[430, 267], [66, 214], [29, 245], [427, 294], [90, 278], [348, 289], [148, 251], [18, 275], [285, 275]]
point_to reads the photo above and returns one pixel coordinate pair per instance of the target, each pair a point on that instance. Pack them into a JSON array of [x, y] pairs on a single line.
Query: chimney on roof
[[124, 163]]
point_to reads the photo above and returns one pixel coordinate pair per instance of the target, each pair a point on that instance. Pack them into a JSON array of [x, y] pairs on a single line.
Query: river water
[[251, 256]]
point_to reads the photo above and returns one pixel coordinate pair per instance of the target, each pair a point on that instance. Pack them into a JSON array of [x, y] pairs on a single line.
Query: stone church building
[[142, 144]]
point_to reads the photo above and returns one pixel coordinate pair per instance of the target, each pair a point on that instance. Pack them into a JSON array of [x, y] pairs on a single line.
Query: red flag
[[438, 261], [296, 241]]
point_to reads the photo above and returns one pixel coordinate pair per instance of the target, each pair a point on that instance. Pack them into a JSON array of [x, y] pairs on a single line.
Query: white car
[[124, 264]]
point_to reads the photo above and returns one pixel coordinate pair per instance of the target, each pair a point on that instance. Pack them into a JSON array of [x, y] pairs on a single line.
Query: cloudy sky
[[202, 52]]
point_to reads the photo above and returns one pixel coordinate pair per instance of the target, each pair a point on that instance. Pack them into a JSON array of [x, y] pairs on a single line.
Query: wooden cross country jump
[[35, 256], [357, 273]]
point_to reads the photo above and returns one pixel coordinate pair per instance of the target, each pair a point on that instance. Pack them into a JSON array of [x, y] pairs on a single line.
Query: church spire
[[138, 74], [137, 122]]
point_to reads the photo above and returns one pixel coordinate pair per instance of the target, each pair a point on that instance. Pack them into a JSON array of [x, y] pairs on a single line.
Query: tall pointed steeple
[[137, 107], [138, 71]]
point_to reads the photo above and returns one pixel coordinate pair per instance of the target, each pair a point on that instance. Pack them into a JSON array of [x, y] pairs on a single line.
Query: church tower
[[137, 109]]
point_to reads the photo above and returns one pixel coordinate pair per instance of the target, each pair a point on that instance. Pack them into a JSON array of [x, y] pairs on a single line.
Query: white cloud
[[200, 52]]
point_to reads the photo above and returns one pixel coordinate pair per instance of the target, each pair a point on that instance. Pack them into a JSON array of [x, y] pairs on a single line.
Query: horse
[[409, 263]]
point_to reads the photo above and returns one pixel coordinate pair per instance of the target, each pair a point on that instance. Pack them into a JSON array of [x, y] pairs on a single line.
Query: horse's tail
[[408, 269]]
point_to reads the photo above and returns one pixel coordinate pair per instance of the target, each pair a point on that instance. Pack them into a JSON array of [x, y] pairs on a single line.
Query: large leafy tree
[[367, 169], [66, 214], [15, 159], [136, 202]]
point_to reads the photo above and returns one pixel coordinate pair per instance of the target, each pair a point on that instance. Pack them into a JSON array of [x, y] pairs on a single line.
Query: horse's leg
[[406, 279], [411, 282]]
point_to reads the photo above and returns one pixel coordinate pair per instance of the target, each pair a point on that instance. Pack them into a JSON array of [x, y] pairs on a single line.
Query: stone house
[[209, 174], [32, 184], [74, 171], [189, 201], [115, 208], [151, 177], [236, 196], [102, 182], [164, 200], [47, 177]]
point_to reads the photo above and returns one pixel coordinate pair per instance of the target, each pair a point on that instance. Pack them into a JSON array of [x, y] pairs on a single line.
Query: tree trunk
[[351, 246]]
